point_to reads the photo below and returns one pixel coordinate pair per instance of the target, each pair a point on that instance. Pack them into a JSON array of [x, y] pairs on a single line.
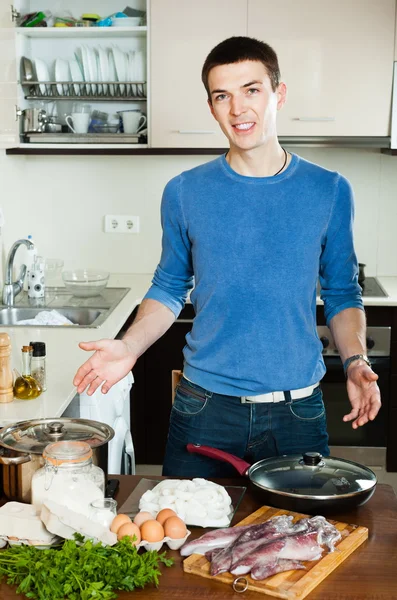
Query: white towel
[[47, 317]]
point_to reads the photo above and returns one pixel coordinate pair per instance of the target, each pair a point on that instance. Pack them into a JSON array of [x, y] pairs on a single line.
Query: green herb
[[80, 570]]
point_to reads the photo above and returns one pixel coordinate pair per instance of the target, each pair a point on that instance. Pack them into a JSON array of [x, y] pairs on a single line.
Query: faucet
[[13, 288]]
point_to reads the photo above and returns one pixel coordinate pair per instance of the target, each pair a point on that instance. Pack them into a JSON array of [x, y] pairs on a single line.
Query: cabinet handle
[[196, 131], [314, 119]]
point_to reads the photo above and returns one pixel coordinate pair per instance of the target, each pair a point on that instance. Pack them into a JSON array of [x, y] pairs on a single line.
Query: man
[[251, 231]]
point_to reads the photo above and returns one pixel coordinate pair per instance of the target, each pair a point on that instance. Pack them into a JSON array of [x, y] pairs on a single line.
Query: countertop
[[368, 574], [64, 356]]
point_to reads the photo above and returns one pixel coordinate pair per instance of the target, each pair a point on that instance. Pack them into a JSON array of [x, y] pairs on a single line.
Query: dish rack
[[85, 90]]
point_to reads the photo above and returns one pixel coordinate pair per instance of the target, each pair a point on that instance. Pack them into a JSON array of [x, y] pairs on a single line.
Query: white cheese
[[64, 522]]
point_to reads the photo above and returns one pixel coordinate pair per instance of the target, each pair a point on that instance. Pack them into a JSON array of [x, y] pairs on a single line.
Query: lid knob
[[55, 427], [312, 458]]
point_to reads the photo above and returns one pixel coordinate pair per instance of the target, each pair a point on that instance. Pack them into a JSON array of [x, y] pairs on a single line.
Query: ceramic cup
[[133, 120], [80, 118]]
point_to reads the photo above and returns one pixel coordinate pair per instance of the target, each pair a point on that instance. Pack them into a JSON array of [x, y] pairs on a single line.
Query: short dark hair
[[238, 49]]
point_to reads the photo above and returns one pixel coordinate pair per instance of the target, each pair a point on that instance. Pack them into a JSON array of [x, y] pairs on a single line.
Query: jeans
[[249, 431]]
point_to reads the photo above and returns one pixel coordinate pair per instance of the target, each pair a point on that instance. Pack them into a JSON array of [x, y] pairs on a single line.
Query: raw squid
[[278, 566], [301, 546], [223, 537], [211, 540], [251, 539]]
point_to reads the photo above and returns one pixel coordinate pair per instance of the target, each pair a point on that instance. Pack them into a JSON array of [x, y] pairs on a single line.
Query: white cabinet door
[[9, 126], [336, 59], [182, 34]]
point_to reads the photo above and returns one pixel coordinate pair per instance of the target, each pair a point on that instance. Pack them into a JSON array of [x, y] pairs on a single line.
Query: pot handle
[[15, 460], [238, 463]]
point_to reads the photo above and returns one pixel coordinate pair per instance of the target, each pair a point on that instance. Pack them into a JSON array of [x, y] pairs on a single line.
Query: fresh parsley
[[80, 570]]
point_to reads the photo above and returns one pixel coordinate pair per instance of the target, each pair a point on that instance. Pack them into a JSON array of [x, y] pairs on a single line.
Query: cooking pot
[[22, 445], [308, 483]]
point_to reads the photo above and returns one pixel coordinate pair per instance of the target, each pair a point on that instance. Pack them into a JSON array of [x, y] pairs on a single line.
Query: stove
[[371, 287]]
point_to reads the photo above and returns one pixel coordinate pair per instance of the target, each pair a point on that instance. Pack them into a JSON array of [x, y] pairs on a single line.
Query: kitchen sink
[[83, 312], [81, 316]]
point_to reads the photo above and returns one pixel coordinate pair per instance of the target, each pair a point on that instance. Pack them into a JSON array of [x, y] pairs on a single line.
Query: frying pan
[[308, 483]]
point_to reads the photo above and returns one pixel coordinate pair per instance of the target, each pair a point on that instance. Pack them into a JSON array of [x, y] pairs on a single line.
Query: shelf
[[114, 149], [81, 32], [116, 91]]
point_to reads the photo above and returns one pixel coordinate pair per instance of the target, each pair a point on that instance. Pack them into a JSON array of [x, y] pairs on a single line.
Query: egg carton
[[173, 544], [20, 524]]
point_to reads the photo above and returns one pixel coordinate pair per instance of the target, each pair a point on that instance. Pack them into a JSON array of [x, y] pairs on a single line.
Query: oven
[[368, 443]]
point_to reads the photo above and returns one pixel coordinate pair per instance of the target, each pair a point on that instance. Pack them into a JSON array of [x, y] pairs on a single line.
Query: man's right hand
[[111, 361]]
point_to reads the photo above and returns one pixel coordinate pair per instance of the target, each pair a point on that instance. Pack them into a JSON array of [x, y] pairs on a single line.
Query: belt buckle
[[278, 396]]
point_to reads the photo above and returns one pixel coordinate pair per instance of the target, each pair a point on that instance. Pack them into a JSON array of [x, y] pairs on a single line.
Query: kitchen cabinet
[[50, 43], [337, 61], [182, 34], [151, 394]]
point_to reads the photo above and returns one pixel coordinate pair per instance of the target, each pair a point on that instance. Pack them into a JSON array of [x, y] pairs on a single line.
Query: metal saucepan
[[308, 483], [22, 445]]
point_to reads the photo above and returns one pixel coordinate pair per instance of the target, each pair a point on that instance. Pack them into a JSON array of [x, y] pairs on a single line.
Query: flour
[[67, 489]]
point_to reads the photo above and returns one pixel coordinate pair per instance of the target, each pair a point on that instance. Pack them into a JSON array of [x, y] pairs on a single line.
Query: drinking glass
[[103, 511]]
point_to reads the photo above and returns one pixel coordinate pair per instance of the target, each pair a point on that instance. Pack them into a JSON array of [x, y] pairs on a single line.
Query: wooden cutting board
[[290, 584]]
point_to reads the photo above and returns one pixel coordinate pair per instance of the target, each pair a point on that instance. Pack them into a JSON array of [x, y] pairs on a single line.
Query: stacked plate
[[95, 65]]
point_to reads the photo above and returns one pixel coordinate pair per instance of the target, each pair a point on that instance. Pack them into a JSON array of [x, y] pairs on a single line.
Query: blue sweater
[[253, 249]]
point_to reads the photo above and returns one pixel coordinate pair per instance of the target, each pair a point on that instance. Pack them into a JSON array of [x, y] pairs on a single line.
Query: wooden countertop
[[370, 573]]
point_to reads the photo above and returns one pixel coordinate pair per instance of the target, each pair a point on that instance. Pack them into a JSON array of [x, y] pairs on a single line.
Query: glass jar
[[68, 477], [103, 511]]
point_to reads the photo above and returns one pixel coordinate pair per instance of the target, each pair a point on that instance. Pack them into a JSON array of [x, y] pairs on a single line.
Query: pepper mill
[[6, 381]]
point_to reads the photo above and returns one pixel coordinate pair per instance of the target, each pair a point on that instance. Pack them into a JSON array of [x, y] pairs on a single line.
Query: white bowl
[[85, 283], [126, 22]]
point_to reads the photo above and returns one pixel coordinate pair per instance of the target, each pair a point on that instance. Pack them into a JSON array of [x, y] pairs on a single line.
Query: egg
[[118, 521], [152, 531], [164, 514], [141, 517], [130, 529], [175, 528]]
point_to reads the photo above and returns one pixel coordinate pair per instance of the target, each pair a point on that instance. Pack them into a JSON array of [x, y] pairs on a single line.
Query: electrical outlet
[[121, 224]]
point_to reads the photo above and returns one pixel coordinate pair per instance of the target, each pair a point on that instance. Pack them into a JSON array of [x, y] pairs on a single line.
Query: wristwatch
[[351, 359]]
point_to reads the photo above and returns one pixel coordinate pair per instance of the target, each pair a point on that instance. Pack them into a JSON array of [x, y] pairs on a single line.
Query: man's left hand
[[364, 394]]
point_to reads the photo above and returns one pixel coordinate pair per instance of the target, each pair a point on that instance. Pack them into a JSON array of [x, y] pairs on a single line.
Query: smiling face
[[244, 103]]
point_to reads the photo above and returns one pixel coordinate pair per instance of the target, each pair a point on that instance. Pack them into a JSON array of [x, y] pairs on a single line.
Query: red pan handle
[[238, 463]]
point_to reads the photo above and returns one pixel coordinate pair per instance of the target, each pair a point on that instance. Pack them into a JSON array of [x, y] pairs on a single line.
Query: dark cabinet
[[151, 395]]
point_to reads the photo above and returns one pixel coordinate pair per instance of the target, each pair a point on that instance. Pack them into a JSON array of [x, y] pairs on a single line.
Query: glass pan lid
[[311, 475]]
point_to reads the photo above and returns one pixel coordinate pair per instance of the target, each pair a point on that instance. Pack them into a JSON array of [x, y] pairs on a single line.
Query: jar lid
[[70, 453], [38, 348], [33, 436]]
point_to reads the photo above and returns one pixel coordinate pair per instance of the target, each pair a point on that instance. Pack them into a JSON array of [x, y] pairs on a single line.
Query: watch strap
[[353, 358]]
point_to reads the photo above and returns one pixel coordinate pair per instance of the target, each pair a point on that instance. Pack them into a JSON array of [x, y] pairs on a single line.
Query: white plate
[[131, 56], [92, 66], [104, 67], [76, 74], [62, 73], [120, 62], [86, 70], [112, 71], [140, 66], [43, 73]]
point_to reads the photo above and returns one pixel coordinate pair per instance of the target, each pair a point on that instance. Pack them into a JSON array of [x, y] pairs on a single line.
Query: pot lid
[[312, 476], [33, 436]]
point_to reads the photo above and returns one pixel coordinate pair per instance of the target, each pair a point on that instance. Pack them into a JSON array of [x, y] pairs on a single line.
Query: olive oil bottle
[[25, 386]]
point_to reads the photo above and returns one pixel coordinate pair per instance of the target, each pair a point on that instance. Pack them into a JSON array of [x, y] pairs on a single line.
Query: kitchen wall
[[61, 201]]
